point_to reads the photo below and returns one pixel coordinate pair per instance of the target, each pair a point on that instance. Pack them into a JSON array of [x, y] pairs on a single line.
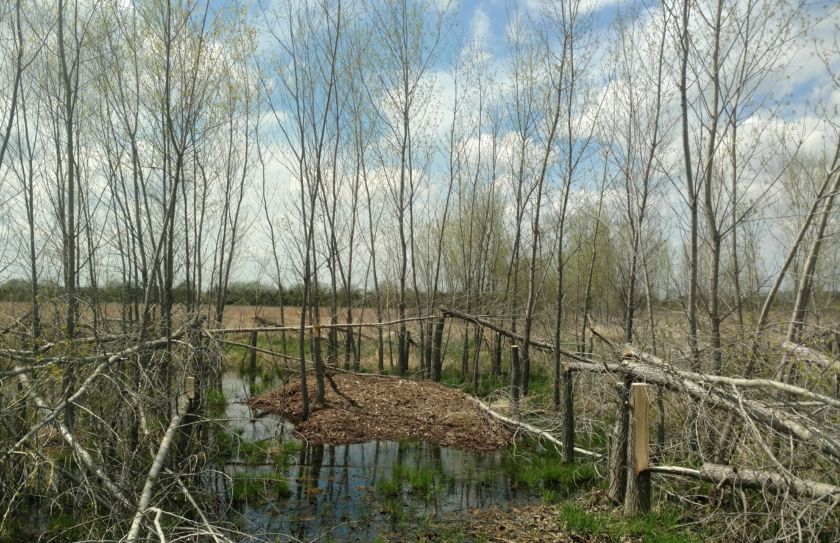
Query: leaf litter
[[371, 407]]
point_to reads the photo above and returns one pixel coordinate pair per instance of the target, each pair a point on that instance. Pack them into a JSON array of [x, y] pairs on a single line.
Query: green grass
[[597, 439], [425, 483], [547, 472], [389, 487], [287, 450], [59, 527], [655, 527], [576, 519], [258, 387], [267, 371], [232, 446], [250, 488], [216, 402], [540, 385], [490, 383], [272, 343], [395, 508]]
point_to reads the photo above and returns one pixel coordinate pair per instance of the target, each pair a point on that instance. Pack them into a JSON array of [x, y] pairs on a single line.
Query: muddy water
[[361, 491]]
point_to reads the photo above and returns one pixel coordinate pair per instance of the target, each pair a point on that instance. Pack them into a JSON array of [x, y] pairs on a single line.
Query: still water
[[357, 492]]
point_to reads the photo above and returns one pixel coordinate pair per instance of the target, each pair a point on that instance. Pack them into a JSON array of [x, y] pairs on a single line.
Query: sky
[[799, 93], [795, 94]]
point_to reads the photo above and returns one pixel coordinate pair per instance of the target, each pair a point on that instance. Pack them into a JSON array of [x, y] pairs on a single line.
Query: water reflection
[[241, 420], [356, 492]]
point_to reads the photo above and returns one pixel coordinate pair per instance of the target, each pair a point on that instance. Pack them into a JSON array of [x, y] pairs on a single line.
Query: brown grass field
[[236, 316]]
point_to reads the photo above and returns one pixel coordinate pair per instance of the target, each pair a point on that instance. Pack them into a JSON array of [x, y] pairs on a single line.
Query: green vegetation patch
[[231, 446], [655, 527], [417, 481], [216, 402], [255, 488], [550, 475]]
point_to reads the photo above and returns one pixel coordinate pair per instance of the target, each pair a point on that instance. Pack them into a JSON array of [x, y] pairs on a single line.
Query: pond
[[357, 492]]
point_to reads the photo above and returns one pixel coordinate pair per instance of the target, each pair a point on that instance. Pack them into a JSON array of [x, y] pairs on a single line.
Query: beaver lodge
[[368, 407]]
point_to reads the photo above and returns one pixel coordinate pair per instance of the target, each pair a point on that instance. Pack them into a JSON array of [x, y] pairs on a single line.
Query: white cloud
[[480, 27]]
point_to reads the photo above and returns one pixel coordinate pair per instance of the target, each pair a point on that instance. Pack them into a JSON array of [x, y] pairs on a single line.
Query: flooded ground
[[355, 492], [266, 484]]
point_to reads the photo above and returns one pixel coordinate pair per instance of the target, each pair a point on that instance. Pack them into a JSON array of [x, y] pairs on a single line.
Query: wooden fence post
[[319, 365], [428, 349], [437, 356], [517, 375], [568, 416], [189, 387], [637, 496], [497, 355], [357, 354]]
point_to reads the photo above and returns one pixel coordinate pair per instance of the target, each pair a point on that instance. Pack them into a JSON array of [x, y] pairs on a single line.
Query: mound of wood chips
[[372, 407]]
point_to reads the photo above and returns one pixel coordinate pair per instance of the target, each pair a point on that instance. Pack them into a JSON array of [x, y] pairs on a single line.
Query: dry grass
[[236, 316], [242, 316]]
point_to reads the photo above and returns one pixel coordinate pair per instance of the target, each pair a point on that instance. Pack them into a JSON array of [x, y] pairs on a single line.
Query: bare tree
[[408, 44]]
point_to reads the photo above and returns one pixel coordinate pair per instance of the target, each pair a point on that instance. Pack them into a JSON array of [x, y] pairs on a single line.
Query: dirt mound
[[388, 409]]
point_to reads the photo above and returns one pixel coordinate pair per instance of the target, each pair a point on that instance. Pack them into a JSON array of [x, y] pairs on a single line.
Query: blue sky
[[803, 86]]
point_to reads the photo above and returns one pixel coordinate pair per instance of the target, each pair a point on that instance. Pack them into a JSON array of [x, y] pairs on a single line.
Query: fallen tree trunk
[[810, 355], [71, 440], [753, 478], [45, 362], [540, 345], [109, 359], [338, 325], [632, 352], [533, 430], [157, 466], [644, 367], [808, 431], [58, 408]]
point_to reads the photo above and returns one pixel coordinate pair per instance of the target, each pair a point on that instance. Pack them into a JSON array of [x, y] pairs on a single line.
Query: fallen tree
[[719, 392], [157, 466], [85, 460], [805, 354], [530, 429], [754, 479], [644, 367]]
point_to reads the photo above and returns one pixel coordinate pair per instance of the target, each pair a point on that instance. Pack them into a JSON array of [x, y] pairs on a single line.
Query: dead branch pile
[[91, 424], [781, 437]]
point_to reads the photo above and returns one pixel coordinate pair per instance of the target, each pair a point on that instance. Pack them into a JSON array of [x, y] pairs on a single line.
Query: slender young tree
[[408, 45]]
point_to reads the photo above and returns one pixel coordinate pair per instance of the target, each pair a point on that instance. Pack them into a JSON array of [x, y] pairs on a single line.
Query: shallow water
[[360, 491]]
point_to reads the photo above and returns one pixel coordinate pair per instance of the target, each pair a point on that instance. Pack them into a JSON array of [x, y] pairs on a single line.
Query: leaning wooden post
[[497, 355], [568, 416], [390, 349], [428, 347], [253, 352], [517, 375], [189, 387], [357, 353], [637, 497], [437, 356], [319, 364]]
